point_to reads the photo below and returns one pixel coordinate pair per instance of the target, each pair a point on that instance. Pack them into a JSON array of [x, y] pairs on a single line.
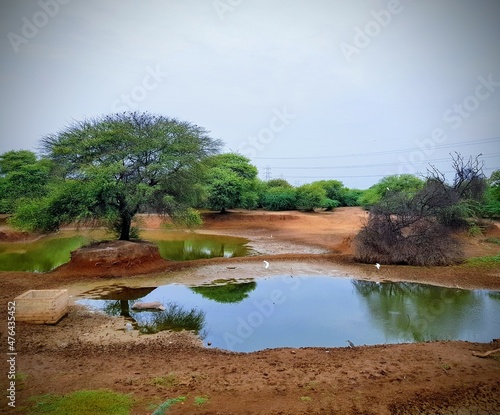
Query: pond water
[[285, 311], [52, 251]]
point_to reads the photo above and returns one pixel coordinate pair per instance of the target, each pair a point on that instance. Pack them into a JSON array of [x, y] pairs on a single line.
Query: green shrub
[[279, 198], [329, 204], [310, 196]]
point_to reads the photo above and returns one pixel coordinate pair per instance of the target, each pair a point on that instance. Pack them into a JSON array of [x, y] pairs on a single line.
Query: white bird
[[266, 264], [377, 265]]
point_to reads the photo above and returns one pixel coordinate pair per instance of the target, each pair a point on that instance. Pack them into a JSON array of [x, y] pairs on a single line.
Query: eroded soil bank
[[91, 351]]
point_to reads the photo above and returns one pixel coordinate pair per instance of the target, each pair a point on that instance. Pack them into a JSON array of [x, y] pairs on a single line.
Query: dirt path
[[91, 351]]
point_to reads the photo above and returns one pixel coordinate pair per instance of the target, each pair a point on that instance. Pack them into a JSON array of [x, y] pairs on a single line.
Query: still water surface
[[52, 251], [285, 311]]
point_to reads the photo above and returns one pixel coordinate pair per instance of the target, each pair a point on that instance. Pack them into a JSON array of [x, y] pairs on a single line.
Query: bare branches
[[417, 229]]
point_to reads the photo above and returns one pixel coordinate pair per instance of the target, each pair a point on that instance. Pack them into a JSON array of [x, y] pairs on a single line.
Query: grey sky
[[313, 89]]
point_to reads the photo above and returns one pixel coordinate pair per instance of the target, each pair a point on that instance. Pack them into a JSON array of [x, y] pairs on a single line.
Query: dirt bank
[[90, 351]]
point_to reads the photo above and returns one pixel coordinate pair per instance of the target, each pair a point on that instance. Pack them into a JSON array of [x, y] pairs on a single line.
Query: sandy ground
[[87, 350]]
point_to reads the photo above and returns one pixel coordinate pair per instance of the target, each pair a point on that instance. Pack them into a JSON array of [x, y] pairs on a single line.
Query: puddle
[[319, 311], [181, 246], [52, 251], [41, 255]]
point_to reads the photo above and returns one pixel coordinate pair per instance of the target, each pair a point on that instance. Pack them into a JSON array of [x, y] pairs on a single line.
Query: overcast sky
[[318, 89]]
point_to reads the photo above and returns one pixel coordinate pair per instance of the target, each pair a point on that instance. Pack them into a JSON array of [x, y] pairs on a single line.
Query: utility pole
[[267, 173]]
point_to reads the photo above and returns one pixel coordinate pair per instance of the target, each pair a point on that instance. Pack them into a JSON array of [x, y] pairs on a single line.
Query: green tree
[[117, 165], [491, 206], [231, 182], [279, 198], [22, 178], [310, 196], [407, 183], [336, 191], [13, 160], [278, 183]]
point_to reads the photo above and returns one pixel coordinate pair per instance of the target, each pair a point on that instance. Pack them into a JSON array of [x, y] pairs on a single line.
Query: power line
[[373, 165], [375, 153], [366, 176]]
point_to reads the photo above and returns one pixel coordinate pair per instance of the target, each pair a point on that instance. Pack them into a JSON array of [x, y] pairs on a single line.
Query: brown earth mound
[[113, 258]]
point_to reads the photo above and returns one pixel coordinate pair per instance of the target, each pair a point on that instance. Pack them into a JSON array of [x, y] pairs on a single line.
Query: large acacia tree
[[118, 165]]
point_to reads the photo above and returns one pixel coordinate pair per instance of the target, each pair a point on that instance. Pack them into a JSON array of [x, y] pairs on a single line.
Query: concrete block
[[42, 306]]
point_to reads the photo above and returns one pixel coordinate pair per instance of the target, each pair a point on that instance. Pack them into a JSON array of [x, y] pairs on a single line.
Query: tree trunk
[[126, 224], [124, 308]]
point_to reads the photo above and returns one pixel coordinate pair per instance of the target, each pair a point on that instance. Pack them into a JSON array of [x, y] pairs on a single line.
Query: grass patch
[[20, 378], [84, 402], [484, 261], [305, 398], [168, 381], [174, 318], [200, 400], [493, 240]]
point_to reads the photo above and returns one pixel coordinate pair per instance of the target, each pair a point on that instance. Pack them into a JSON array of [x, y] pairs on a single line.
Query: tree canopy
[[407, 183], [117, 165], [22, 177], [231, 182]]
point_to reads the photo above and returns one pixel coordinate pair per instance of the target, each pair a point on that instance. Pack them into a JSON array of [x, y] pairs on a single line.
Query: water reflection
[[174, 317], [37, 256], [52, 251], [118, 301], [416, 312], [320, 311], [194, 246], [230, 292]]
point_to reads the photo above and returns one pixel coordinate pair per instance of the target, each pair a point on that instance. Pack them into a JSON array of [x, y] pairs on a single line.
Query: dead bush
[[424, 242], [418, 229]]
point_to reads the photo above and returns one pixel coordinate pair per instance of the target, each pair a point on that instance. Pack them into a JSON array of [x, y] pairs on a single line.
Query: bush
[[310, 196], [406, 183], [279, 198], [329, 204], [416, 228], [385, 239]]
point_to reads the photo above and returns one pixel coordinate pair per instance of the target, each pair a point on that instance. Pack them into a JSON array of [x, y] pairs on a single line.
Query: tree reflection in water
[[174, 317], [417, 312], [226, 293], [202, 246]]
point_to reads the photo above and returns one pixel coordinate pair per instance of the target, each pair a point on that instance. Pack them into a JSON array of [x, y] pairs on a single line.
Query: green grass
[[200, 400], [84, 402], [493, 240], [484, 261], [174, 318], [20, 379]]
